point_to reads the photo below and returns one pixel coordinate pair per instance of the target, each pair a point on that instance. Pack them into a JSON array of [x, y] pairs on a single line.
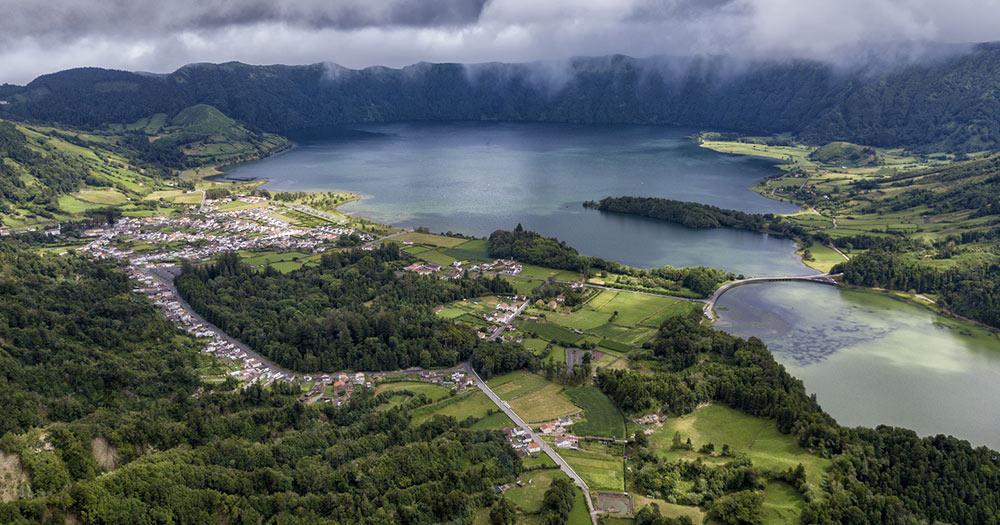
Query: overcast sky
[[38, 37]]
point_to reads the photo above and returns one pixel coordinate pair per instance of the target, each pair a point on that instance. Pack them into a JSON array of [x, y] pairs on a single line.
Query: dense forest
[[697, 216], [530, 247], [355, 310], [882, 475], [937, 103], [108, 423], [970, 291]]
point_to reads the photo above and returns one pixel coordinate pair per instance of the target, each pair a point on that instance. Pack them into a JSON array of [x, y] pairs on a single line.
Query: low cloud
[[39, 37]]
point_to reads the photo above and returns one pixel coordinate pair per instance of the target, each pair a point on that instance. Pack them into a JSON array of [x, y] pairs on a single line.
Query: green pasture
[[759, 438], [601, 416]]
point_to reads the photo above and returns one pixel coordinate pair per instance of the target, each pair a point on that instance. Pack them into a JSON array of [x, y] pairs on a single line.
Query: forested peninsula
[[697, 216]]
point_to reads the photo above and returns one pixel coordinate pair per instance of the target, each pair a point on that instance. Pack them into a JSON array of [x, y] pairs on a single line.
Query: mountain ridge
[[950, 103]]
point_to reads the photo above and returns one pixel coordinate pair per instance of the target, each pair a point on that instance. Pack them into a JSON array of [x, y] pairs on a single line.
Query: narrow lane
[[566, 468]]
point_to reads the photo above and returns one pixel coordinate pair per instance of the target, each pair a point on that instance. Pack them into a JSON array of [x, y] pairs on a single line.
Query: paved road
[[500, 329], [379, 240], [821, 278], [537, 439], [166, 274]]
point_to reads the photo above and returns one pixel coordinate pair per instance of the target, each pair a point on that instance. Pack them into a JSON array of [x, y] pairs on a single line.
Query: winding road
[[166, 275], [563, 465]]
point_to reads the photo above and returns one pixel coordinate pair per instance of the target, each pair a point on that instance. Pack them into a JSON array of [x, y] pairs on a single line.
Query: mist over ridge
[[935, 99]]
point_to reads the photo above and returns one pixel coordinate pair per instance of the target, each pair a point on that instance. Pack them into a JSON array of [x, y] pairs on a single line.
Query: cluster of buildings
[[336, 388], [454, 379], [501, 318], [504, 313], [558, 431], [426, 268], [457, 269], [557, 427], [650, 422], [207, 233], [520, 440], [499, 266]]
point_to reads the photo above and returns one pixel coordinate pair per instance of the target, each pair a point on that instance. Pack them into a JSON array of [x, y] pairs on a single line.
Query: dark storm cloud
[[39, 36], [674, 10], [72, 19]]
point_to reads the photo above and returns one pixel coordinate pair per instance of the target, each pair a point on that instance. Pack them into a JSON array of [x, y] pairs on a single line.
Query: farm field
[[434, 392], [824, 257], [175, 196], [284, 262], [757, 437], [528, 498], [495, 421], [472, 404], [103, 196], [599, 465], [601, 416], [670, 510], [429, 239], [616, 320], [533, 397], [305, 220]]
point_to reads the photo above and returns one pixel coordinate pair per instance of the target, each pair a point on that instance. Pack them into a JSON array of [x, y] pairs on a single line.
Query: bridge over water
[[821, 278]]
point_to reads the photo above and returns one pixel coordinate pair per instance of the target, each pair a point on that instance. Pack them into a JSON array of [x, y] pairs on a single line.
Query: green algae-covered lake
[[872, 359]]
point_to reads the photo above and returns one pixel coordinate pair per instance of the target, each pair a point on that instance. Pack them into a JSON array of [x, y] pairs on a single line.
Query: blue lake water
[[870, 360], [475, 178]]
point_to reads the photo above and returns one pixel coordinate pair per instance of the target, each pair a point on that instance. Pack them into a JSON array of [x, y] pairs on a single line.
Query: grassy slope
[[830, 190], [757, 437], [119, 180], [601, 416], [435, 392]]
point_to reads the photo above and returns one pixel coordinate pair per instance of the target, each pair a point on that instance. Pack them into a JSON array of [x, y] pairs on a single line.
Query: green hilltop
[[845, 154], [51, 173]]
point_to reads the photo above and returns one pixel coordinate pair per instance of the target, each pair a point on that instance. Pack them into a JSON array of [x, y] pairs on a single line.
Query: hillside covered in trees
[[940, 103], [106, 421], [33, 179], [969, 291], [355, 310]]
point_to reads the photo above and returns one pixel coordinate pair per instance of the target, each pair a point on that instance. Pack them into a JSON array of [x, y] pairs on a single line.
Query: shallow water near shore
[[872, 359]]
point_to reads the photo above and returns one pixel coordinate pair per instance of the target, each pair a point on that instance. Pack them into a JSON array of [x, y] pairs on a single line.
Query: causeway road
[[821, 278]]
